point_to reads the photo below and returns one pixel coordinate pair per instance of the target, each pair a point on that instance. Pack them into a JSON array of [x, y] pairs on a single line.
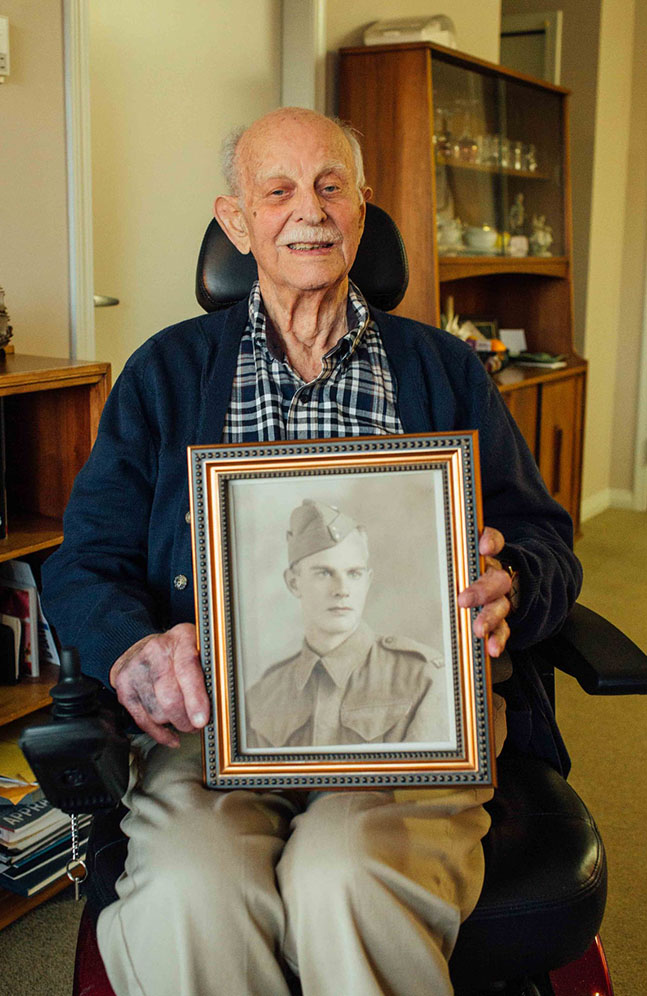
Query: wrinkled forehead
[[283, 146]]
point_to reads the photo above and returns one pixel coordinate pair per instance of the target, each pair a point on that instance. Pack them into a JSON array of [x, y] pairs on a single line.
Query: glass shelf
[[491, 168], [498, 145]]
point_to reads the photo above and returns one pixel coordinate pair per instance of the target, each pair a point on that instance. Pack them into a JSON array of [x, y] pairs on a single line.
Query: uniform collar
[[340, 662]]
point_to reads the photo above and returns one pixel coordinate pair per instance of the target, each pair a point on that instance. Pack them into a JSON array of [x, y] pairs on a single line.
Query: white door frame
[[549, 23], [640, 449], [79, 178], [303, 54]]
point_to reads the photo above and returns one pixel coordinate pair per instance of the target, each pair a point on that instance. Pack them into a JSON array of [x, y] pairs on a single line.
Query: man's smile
[[310, 247]]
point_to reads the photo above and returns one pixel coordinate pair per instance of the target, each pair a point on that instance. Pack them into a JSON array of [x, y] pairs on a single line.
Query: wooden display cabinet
[[51, 415], [454, 147]]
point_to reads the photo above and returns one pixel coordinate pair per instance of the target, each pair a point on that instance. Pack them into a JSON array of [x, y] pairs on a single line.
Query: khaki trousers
[[361, 893]]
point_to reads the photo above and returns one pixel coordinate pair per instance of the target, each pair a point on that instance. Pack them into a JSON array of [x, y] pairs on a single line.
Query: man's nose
[[340, 586], [309, 207]]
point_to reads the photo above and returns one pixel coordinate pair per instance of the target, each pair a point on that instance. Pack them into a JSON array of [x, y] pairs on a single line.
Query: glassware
[[467, 149], [517, 155], [531, 159], [442, 137]]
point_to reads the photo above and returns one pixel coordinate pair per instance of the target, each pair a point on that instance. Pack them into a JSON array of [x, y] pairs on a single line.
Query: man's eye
[[278, 192], [331, 188], [357, 573]]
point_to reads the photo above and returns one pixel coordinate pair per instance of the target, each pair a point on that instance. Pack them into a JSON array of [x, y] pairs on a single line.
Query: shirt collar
[[340, 662]]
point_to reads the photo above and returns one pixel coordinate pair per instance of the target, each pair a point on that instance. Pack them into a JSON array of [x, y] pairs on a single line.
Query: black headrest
[[224, 276]]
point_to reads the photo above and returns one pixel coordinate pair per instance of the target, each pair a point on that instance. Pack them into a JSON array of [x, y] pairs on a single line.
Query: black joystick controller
[[80, 758]]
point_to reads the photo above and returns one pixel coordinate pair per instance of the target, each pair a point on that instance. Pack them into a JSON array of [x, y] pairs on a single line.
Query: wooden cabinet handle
[[558, 435]]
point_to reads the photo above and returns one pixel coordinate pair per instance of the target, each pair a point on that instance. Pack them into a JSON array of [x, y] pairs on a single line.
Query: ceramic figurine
[[517, 216], [542, 236]]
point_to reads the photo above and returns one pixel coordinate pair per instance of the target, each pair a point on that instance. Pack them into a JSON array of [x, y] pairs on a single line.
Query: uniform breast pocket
[[381, 722]]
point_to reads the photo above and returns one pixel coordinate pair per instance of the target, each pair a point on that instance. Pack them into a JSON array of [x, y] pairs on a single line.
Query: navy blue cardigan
[[126, 535]]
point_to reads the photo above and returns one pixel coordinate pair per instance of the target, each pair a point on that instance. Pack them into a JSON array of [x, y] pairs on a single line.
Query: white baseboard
[[622, 498], [609, 498]]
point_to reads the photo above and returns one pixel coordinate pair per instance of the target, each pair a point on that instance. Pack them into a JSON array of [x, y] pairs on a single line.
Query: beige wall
[[629, 321], [476, 21], [603, 64], [33, 194], [580, 46], [165, 90]]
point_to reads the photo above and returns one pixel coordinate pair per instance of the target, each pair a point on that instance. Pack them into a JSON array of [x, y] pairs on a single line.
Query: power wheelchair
[[534, 930]]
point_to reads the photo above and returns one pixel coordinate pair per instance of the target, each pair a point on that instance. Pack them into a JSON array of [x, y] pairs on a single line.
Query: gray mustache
[[314, 235]]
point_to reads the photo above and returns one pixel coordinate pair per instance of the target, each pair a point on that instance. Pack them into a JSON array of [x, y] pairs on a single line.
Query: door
[[532, 43], [167, 82]]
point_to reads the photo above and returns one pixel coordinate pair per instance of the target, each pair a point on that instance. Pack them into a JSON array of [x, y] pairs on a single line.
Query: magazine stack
[[35, 838], [35, 845]]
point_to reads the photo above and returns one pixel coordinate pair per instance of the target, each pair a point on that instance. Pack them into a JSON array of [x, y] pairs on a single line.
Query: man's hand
[[159, 681], [490, 591]]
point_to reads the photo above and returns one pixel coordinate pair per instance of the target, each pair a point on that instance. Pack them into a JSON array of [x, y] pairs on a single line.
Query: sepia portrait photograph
[[341, 613], [330, 634]]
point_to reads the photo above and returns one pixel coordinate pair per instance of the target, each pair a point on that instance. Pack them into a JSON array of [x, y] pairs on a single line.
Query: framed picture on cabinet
[[487, 326]]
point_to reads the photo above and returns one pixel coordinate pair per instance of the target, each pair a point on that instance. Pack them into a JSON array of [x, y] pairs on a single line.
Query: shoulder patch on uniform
[[404, 644]]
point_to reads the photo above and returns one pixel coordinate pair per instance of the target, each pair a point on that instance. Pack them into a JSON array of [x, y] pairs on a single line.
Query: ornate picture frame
[[326, 580]]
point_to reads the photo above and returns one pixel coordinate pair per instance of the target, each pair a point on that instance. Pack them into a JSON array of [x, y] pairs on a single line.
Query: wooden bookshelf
[[51, 414]]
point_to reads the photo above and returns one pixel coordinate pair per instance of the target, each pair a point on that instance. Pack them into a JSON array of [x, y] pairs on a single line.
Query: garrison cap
[[315, 526]]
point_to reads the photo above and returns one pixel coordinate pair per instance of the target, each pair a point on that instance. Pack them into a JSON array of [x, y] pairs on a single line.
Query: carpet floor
[[606, 736]]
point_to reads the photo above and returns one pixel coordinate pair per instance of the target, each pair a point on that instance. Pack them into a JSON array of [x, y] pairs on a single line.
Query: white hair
[[230, 166]]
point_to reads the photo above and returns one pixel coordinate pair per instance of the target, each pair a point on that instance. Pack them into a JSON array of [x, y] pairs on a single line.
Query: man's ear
[[231, 219], [367, 193], [290, 579]]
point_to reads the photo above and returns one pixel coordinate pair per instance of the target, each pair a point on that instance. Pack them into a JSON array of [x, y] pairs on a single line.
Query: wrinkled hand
[[490, 592], [159, 681]]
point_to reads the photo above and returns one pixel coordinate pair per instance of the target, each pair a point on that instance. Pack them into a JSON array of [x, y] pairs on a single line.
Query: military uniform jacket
[[370, 689]]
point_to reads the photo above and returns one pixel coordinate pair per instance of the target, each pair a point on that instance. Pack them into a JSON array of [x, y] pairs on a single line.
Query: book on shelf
[[21, 602], [541, 360], [42, 868], [18, 784], [28, 848], [13, 863], [24, 823], [20, 599], [10, 649]]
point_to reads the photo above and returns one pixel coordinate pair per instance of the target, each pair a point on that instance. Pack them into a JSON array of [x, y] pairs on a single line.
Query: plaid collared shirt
[[354, 395]]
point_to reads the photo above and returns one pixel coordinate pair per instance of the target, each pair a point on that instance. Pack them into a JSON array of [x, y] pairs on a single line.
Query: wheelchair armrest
[[602, 659]]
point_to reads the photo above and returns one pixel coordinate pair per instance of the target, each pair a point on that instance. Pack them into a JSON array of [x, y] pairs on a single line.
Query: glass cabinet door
[[498, 164]]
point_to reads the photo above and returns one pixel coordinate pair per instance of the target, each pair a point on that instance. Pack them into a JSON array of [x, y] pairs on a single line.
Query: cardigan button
[[180, 582]]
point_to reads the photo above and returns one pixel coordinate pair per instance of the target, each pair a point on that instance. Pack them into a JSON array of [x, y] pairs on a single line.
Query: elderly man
[[345, 686], [359, 892]]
